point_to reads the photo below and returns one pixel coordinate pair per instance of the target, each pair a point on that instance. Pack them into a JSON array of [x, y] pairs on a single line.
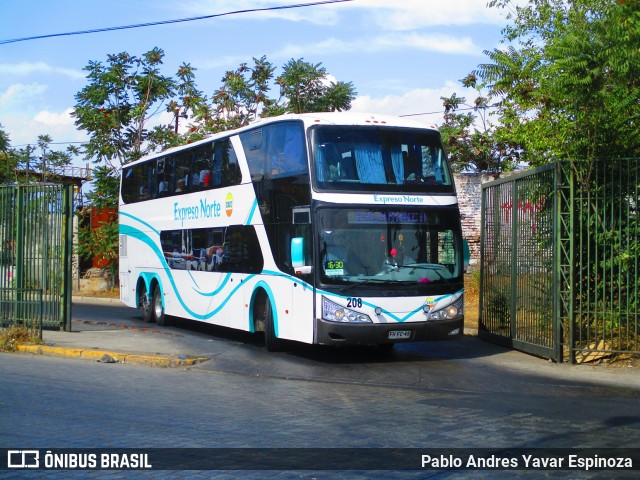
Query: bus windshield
[[377, 159], [387, 247]]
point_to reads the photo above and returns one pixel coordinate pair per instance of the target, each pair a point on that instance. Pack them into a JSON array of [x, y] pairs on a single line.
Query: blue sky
[[401, 55]]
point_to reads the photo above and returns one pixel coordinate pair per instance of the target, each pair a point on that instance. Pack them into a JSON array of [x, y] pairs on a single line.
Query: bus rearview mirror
[[297, 252]]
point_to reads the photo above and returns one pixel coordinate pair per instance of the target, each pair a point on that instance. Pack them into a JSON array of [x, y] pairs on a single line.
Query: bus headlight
[[449, 312], [333, 312]]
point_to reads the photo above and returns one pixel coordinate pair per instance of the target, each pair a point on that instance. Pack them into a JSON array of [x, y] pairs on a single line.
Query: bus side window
[[201, 167], [231, 174], [286, 149], [163, 185], [252, 145], [182, 171]]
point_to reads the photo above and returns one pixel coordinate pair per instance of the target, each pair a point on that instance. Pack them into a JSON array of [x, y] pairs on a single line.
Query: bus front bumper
[[333, 333]]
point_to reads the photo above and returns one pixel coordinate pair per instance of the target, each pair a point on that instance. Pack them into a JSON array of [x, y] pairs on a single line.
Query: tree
[[101, 240], [115, 108], [568, 83], [243, 96], [304, 87], [240, 99], [37, 163], [50, 162], [7, 159], [474, 144], [122, 96]]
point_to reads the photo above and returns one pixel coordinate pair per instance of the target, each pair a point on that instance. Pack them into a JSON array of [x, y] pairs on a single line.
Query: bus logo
[[228, 204], [430, 302]]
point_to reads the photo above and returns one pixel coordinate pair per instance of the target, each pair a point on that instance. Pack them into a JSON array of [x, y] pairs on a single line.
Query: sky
[[400, 55]]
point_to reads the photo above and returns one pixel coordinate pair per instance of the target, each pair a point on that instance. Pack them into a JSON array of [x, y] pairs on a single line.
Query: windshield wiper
[[363, 282], [426, 267]]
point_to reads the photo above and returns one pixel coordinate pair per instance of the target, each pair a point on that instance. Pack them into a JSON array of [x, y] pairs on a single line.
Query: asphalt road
[[451, 395]]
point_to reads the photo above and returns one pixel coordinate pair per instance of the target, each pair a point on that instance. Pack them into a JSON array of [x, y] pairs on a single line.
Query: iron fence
[[560, 260], [517, 267], [604, 199], [36, 234], [19, 306]]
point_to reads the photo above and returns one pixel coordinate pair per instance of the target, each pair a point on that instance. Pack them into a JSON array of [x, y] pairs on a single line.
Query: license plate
[[399, 334]]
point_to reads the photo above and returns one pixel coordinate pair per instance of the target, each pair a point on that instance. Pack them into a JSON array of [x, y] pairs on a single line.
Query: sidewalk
[[117, 341]]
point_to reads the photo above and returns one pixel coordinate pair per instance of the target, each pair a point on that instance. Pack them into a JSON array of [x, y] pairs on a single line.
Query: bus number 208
[[354, 303]]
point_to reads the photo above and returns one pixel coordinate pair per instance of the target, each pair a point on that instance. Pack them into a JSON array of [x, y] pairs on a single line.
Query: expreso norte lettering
[[193, 212]]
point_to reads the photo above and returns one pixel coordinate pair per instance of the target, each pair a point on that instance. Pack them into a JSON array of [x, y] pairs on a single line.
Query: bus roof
[[347, 118], [309, 119]]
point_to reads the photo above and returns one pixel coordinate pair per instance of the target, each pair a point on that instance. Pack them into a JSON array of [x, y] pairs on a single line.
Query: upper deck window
[[201, 167], [276, 150], [379, 159]]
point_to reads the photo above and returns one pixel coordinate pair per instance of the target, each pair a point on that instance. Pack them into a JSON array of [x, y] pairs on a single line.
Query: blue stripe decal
[[140, 221], [252, 212], [144, 238]]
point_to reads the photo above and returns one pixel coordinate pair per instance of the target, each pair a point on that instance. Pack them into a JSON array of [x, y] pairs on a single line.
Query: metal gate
[[36, 224], [517, 295], [560, 260]]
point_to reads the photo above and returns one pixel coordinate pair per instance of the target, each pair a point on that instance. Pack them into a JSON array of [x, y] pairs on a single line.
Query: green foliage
[[106, 187], [305, 88], [116, 105], [243, 96], [122, 96], [240, 99], [5, 143], [8, 162], [473, 144], [49, 161], [101, 241], [568, 80], [37, 163]]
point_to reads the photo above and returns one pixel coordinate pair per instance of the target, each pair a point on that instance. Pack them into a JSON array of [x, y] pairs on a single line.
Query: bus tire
[[271, 342], [158, 309], [145, 307]]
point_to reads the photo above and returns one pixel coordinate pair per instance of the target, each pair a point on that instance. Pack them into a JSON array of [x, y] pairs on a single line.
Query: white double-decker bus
[[324, 228]]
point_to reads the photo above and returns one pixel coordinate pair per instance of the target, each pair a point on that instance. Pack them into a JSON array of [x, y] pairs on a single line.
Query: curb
[[105, 356], [96, 300]]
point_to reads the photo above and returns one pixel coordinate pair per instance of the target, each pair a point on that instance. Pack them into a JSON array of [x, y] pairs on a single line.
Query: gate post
[[67, 241], [513, 307], [565, 264], [20, 246]]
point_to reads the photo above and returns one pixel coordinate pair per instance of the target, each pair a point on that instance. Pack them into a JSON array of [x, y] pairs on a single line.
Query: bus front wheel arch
[[264, 321]]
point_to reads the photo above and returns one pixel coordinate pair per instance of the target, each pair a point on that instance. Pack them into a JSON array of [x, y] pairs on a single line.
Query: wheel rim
[[145, 306], [157, 304]]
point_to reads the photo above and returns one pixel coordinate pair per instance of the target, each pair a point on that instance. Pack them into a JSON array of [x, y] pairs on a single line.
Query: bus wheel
[[271, 342], [158, 309], [145, 307]]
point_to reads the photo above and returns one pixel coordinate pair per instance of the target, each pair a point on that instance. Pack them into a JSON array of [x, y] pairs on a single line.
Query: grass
[[471, 299], [16, 335]]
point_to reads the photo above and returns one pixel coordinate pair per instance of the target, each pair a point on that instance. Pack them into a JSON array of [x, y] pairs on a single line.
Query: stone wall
[[469, 188]]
